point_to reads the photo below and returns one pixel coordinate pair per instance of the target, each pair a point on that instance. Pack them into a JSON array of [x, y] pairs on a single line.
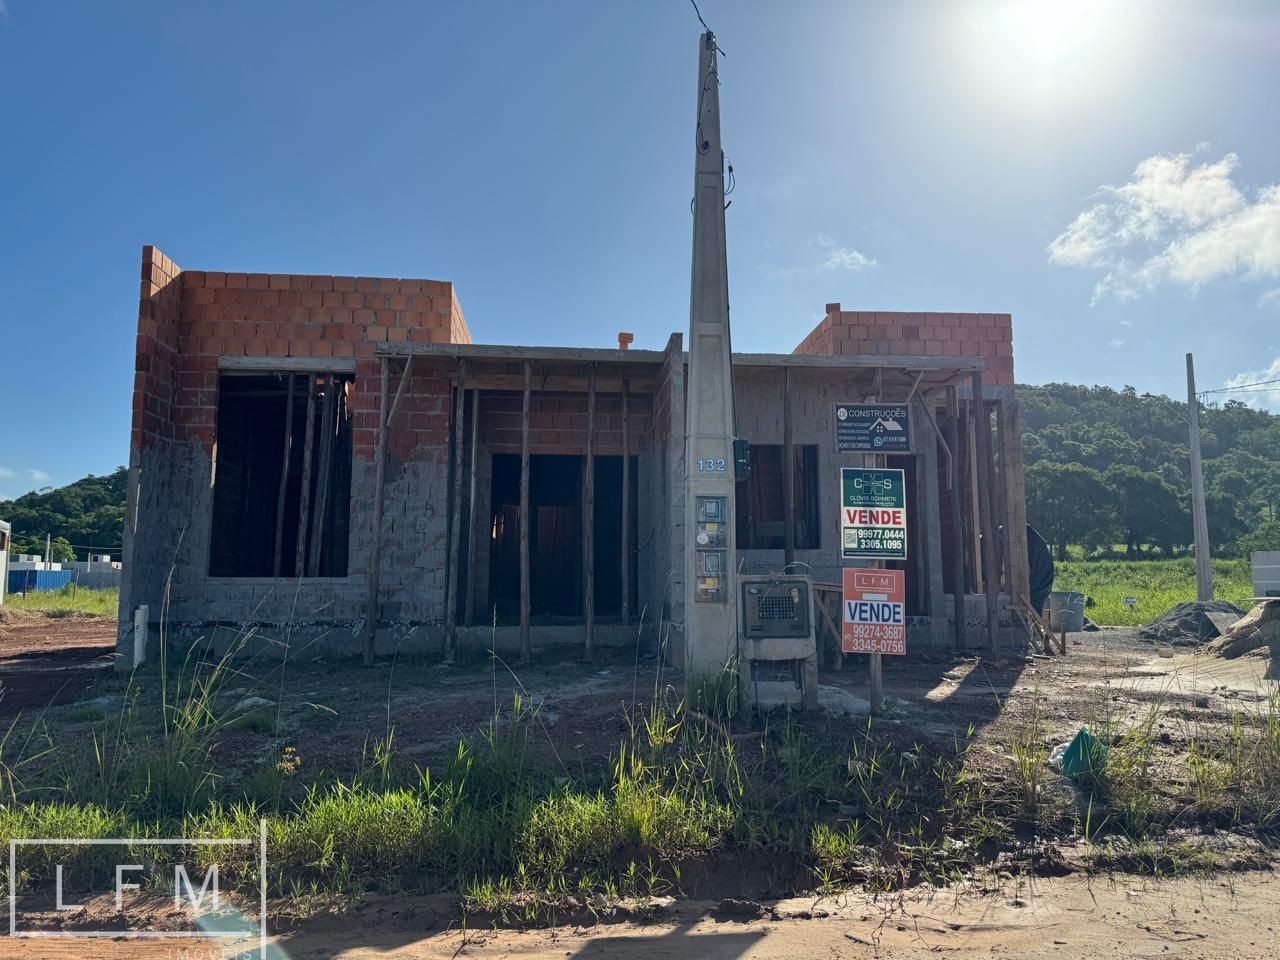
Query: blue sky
[[1105, 172]]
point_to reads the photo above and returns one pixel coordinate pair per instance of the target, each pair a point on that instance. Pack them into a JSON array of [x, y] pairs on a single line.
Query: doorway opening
[[555, 536]]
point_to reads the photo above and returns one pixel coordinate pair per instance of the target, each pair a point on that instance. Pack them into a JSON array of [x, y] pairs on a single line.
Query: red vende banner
[[874, 618]]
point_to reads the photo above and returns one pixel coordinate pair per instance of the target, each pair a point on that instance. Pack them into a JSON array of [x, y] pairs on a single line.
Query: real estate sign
[[873, 514], [874, 619], [873, 428]]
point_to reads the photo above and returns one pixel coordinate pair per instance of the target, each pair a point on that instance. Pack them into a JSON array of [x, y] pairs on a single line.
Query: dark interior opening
[[555, 535], [262, 435], [758, 502]]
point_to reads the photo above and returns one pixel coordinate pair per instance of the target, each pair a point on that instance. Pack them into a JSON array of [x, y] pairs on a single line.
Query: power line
[[704, 25], [1239, 386]]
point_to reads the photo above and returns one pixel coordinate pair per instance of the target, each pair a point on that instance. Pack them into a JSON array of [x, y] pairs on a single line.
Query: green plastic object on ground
[[1086, 755]]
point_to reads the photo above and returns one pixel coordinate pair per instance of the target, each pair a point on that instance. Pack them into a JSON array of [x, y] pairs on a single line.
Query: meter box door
[[778, 646], [710, 549]]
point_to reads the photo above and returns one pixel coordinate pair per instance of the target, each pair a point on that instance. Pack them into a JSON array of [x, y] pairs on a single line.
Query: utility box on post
[[778, 646]]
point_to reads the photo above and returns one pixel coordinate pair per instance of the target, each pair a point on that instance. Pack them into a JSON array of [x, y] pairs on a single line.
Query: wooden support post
[[788, 476], [284, 477], [928, 497], [990, 570], [526, 639], [455, 516], [626, 504], [589, 519], [1019, 565], [959, 522], [304, 504], [328, 425], [1000, 495], [379, 474], [473, 531]]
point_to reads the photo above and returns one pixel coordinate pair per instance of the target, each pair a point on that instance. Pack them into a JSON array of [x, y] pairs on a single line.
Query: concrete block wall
[[669, 452], [189, 321], [758, 396], [882, 333]]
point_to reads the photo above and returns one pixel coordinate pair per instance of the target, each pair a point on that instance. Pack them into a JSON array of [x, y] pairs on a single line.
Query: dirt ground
[[332, 711], [1073, 918], [46, 660]]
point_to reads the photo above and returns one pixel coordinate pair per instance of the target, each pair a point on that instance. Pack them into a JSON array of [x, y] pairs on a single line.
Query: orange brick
[[277, 348], [321, 348], [375, 334], [397, 334], [342, 348]]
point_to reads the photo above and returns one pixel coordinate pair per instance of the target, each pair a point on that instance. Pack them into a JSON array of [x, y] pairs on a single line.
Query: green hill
[[1108, 467], [82, 515]]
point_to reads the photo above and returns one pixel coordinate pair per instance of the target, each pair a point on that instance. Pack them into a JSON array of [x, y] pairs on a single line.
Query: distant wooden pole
[[284, 477], [959, 588], [788, 476], [472, 528], [990, 569], [304, 507], [455, 519], [526, 639], [626, 504], [1199, 519], [588, 519]]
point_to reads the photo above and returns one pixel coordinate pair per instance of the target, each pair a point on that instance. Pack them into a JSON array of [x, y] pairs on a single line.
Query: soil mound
[[1258, 633], [1190, 624]]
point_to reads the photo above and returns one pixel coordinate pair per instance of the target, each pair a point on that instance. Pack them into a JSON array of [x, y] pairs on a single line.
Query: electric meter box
[[778, 646], [710, 549]]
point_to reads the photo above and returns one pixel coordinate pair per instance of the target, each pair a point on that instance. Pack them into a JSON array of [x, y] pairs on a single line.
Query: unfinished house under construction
[[334, 461]]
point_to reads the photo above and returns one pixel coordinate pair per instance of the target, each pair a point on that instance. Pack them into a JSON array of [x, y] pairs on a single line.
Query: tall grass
[[68, 601], [1156, 585]]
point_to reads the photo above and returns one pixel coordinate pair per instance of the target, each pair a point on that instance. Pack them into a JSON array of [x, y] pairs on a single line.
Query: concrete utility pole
[[1199, 520], [710, 594]]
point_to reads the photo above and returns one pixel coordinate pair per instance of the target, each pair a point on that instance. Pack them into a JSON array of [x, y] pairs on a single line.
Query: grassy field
[[1157, 585], [68, 600]]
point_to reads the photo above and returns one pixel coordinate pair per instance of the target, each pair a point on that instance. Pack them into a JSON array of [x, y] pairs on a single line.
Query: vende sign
[[873, 514], [874, 619]]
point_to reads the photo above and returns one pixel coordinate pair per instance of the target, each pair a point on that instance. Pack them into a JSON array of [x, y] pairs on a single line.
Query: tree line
[[82, 515], [1110, 471]]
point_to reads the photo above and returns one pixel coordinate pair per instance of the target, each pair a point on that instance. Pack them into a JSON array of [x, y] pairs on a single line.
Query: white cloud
[[38, 476], [847, 258], [1266, 396], [1270, 299], [1174, 222], [833, 258], [6, 473], [1117, 343]]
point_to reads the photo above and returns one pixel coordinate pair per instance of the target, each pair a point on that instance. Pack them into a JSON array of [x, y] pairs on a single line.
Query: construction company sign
[[874, 618], [873, 428], [873, 514]]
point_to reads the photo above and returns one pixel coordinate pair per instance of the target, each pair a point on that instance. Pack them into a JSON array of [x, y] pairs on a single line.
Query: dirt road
[[1234, 917], [50, 660]]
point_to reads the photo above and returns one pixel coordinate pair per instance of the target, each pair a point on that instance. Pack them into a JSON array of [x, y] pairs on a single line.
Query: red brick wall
[[190, 318], [558, 423], [849, 333], [156, 363]]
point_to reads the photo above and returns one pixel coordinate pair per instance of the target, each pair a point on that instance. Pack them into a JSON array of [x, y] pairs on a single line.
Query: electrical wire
[[1239, 386], [698, 13]]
